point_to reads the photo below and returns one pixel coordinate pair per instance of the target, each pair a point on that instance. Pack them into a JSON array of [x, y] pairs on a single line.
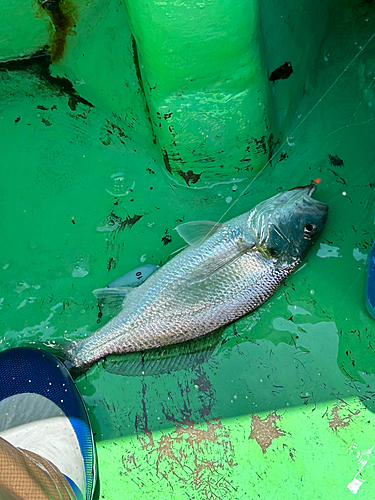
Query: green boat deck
[[98, 167]]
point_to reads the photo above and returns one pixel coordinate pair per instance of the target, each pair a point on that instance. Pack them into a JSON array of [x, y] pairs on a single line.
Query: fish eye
[[309, 230]]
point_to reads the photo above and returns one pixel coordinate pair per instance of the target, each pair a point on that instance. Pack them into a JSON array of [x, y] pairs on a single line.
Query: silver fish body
[[226, 272]]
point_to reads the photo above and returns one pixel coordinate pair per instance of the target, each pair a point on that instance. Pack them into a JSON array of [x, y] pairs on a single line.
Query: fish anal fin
[[185, 356]]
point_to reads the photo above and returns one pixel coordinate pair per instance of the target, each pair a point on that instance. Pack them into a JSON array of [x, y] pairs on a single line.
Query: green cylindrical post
[[206, 85]]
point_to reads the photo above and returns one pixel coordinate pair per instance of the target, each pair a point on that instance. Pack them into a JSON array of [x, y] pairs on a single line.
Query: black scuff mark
[[338, 177], [136, 64], [111, 263], [141, 422], [282, 72], [208, 159], [17, 119], [206, 393], [283, 156], [335, 161], [271, 145], [247, 165], [118, 224], [260, 145], [110, 130], [189, 176], [39, 65], [166, 161], [100, 315], [72, 103], [105, 140], [167, 238], [183, 413], [140, 83], [129, 221], [46, 122]]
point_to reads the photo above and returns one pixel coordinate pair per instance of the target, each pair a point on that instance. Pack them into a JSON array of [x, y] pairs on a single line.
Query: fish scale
[[228, 273]]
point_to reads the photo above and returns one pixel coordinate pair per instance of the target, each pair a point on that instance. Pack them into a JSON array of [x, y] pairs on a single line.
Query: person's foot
[[42, 411]]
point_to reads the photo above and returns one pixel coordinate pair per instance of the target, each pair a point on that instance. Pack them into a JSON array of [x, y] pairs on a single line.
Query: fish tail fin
[[63, 351], [69, 359]]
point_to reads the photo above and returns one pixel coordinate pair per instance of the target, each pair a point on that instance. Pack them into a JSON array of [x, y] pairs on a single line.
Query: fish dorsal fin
[[196, 231], [111, 300]]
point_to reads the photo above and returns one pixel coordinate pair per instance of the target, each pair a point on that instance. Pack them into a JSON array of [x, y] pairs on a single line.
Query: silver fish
[[227, 271]]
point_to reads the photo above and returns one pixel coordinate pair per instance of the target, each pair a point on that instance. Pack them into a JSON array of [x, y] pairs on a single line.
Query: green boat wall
[[197, 71], [120, 120]]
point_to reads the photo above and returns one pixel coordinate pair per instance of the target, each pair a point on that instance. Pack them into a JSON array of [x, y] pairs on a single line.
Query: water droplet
[[79, 272]]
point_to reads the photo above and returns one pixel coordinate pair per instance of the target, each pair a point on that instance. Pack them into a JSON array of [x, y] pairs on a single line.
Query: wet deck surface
[[283, 403]]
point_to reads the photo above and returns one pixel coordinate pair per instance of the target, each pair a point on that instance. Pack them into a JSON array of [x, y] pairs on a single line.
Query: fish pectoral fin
[[195, 232], [111, 300], [218, 263]]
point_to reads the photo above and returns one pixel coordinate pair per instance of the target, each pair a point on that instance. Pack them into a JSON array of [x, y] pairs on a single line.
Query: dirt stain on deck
[[265, 431], [185, 454], [338, 422]]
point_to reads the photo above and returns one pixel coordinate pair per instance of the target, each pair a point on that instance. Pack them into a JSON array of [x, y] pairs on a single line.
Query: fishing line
[[349, 124], [298, 126]]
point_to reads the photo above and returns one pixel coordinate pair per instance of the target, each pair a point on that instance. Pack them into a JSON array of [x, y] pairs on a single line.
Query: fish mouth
[[312, 188], [306, 192]]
